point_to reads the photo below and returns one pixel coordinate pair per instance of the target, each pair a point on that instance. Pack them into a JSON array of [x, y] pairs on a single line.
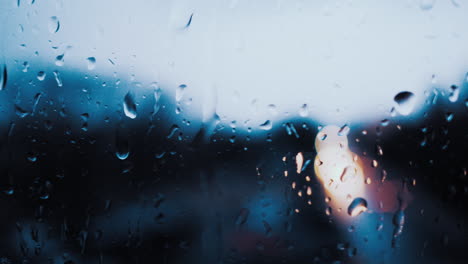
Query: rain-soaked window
[[233, 131]]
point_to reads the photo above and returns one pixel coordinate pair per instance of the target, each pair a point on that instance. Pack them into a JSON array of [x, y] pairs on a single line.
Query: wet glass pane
[[233, 131]]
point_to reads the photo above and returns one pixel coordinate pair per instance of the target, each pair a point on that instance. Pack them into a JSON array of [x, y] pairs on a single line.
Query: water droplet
[[41, 75], [426, 4], [449, 116], [32, 157], [405, 102], [54, 24], [122, 147], [37, 97], [91, 63], [299, 162], [379, 150], [157, 97], [242, 217], [25, 66], [348, 173], [58, 79], [357, 206], [328, 211], [189, 21], [398, 223], [290, 129], [59, 60], [20, 112], [129, 106], [180, 92], [454, 93], [344, 131], [272, 109], [267, 125], [172, 131], [304, 110], [322, 136], [3, 78], [455, 3]]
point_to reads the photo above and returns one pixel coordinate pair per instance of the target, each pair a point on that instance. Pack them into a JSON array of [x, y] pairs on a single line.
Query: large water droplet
[[180, 92], [357, 206], [405, 102], [54, 24], [129, 106], [91, 63], [3, 78]]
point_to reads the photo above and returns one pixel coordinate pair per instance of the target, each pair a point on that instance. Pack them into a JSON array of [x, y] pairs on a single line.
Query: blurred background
[[232, 131]]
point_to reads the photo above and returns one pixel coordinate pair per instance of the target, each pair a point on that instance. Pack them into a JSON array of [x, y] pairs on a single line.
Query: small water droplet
[[37, 97], [20, 112], [129, 106], [291, 130], [455, 3], [59, 61], [348, 173], [357, 206], [91, 63], [426, 4], [41, 75], [405, 102], [54, 24], [379, 150], [189, 22], [267, 125], [157, 97], [449, 116], [304, 110], [344, 131], [3, 78], [172, 131], [58, 79], [180, 90], [398, 223], [454, 93], [25, 66], [242, 217], [122, 147]]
